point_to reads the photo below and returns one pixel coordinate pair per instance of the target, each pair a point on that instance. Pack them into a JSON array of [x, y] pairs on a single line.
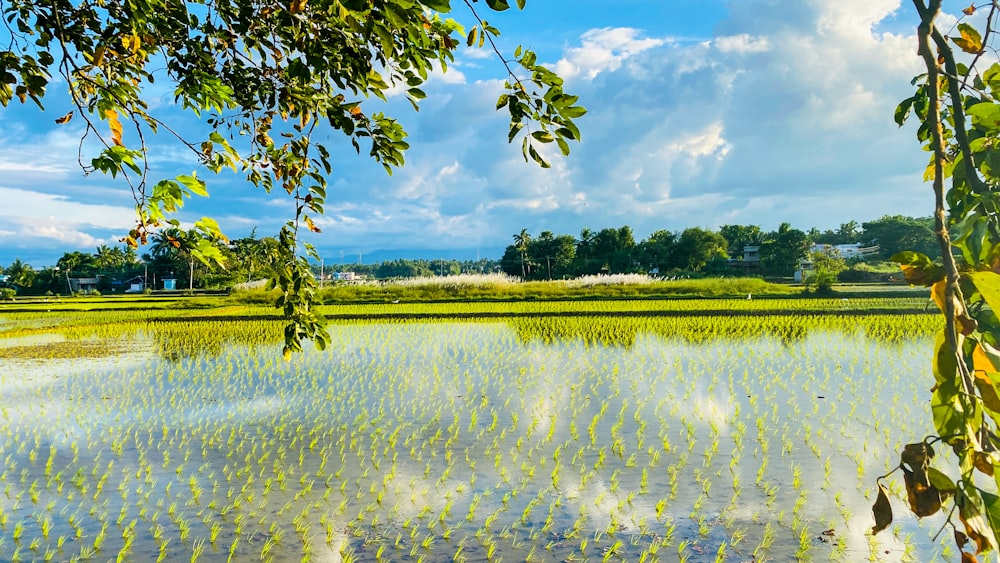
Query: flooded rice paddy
[[626, 439]]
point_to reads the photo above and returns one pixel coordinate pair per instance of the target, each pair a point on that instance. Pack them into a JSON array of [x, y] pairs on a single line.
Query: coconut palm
[[20, 274], [106, 258], [168, 242], [521, 242]]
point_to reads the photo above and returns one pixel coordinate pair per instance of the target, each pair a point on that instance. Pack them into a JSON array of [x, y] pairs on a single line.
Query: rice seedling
[[439, 431]]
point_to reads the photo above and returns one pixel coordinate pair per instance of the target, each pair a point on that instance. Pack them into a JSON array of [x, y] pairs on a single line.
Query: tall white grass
[[611, 279], [247, 286], [461, 280]]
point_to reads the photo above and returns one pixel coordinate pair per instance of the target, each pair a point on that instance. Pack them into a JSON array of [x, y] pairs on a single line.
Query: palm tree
[[174, 244], [105, 258], [20, 274], [167, 242], [521, 241], [76, 261]]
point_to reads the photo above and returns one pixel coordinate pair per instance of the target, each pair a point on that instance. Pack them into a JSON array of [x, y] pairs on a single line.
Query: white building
[[845, 251]]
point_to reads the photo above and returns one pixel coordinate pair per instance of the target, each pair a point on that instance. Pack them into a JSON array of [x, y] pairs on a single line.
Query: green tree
[[105, 258], [896, 233], [403, 269], [252, 256], [657, 251], [76, 264], [20, 274], [271, 81], [783, 250], [615, 250], [738, 236], [848, 232], [826, 266], [521, 242], [586, 263], [697, 247], [552, 254]]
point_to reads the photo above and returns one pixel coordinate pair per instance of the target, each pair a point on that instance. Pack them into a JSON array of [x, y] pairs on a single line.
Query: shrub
[[7, 294]]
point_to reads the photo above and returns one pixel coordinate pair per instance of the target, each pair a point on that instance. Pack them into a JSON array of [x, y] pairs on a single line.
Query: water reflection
[[472, 439]]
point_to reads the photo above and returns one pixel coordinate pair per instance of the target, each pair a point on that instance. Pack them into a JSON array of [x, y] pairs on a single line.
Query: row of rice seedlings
[[457, 441], [612, 306]]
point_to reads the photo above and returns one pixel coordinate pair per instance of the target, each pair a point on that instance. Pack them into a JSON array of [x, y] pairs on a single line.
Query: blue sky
[[702, 113]]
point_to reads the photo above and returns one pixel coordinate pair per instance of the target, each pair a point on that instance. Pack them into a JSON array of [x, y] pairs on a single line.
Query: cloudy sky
[[702, 113]]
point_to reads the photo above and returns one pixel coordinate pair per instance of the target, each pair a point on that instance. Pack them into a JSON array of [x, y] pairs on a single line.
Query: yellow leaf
[[980, 361], [312, 226], [970, 10], [64, 119], [115, 125], [929, 172], [297, 6], [970, 41], [132, 43], [938, 293]]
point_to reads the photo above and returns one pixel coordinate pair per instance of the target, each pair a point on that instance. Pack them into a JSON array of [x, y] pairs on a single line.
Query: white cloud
[[27, 205], [742, 43], [48, 233], [784, 115], [603, 49]]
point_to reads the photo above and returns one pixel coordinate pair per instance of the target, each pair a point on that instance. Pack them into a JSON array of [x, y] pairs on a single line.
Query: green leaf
[[903, 111], [443, 6], [988, 285], [537, 157], [972, 232], [542, 136], [563, 146], [208, 253], [992, 504], [498, 5], [948, 412], [193, 184], [940, 481], [985, 115], [210, 228]]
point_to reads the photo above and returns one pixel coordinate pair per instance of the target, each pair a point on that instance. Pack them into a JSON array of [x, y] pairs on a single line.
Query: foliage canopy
[[266, 77]]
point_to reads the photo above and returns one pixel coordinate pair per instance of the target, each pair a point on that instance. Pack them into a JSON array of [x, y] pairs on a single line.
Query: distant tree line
[[169, 257], [546, 256], [698, 250]]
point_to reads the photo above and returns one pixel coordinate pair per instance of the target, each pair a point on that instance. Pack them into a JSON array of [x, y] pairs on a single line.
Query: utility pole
[[191, 276], [321, 263]]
